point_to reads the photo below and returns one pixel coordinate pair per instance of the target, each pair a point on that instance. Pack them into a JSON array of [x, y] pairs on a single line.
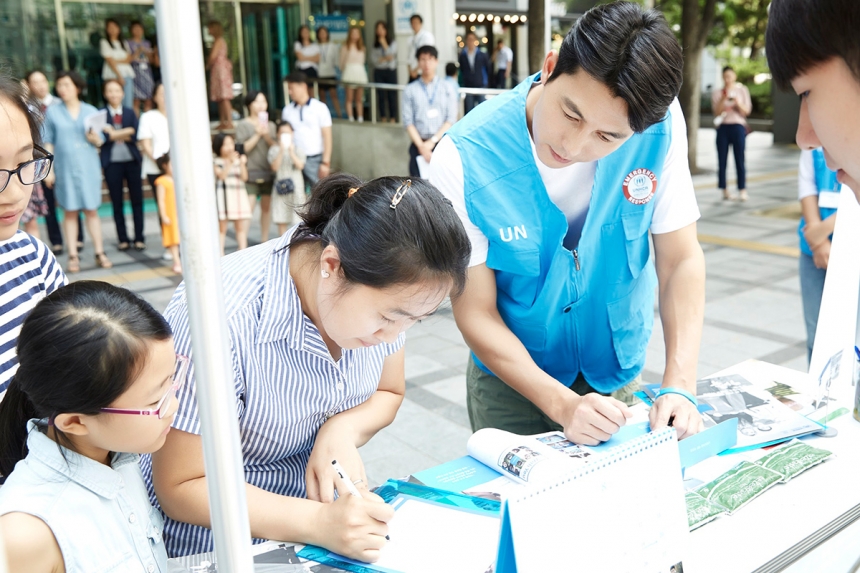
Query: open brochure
[[501, 463], [767, 411]]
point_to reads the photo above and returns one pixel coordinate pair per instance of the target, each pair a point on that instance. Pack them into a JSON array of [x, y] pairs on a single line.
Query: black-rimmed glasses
[[29, 172]]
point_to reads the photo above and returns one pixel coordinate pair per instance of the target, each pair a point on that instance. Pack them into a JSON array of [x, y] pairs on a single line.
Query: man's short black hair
[[296, 78], [727, 68], [417, 17], [630, 50], [429, 50], [451, 69], [802, 34]]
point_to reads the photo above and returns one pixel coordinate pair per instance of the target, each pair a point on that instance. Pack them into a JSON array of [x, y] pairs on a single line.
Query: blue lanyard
[[430, 100]]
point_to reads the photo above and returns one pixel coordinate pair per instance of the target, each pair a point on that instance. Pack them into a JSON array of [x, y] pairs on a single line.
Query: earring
[[324, 274]]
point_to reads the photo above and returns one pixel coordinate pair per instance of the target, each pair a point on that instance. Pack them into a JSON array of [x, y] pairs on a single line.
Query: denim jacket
[[99, 515]]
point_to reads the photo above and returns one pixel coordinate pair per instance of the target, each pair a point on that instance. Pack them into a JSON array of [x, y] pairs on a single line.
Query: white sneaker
[[360, 120], [351, 118], [166, 256]]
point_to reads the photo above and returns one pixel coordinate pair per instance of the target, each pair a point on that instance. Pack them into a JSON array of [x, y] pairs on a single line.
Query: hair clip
[[401, 191], [351, 192]]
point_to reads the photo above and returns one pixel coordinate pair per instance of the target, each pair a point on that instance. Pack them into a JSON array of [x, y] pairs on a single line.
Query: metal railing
[[374, 88]]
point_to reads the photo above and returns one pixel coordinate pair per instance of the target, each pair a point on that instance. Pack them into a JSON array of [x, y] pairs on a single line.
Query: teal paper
[[708, 442], [457, 475], [506, 561]]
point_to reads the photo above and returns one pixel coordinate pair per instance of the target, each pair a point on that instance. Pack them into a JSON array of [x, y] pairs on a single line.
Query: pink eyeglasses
[[179, 374]]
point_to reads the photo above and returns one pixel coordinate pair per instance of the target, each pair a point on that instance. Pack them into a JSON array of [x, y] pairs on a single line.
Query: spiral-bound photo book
[[623, 512]]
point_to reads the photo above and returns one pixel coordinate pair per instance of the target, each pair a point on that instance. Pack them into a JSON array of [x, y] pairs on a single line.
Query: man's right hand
[[591, 419], [427, 150]]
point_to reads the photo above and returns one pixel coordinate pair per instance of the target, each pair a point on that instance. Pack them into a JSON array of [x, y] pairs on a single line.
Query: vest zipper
[[576, 258]]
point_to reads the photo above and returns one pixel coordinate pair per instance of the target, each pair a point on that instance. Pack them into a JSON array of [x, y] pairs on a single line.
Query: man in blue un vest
[[558, 183]]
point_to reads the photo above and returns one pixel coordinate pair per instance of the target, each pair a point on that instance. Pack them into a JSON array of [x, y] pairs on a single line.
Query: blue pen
[[857, 352]]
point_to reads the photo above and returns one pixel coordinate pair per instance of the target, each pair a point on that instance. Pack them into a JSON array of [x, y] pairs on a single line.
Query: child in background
[[74, 501], [818, 191], [166, 198], [287, 162], [231, 172], [452, 74]]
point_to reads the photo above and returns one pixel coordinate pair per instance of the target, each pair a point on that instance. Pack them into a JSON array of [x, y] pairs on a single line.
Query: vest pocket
[[638, 247], [632, 320], [517, 272], [531, 334]]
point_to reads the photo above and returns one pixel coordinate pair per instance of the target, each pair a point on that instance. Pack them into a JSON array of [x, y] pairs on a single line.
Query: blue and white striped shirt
[[29, 273], [286, 381]]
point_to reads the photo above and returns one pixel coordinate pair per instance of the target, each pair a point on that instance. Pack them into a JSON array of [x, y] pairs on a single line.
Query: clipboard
[[431, 528]]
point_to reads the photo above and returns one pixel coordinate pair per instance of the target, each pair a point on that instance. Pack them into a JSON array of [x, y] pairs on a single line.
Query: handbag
[[285, 186]]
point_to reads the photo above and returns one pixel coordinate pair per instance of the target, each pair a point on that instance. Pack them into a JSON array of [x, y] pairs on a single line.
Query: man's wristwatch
[[434, 139]]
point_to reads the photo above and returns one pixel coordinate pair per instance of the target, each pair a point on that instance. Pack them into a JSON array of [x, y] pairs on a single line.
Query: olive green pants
[[494, 404]]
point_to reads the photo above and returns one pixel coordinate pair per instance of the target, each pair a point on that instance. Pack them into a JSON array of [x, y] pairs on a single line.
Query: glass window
[[29, 37], [85, 27]]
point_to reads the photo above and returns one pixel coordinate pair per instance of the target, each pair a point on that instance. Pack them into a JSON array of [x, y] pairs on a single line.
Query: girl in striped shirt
[[28, 269], [316, 321]]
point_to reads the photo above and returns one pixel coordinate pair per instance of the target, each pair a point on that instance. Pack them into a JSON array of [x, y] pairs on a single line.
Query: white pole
[[547, 26], [180, 45]]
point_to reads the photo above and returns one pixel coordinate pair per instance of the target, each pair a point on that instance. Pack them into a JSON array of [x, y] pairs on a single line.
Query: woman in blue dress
[[77, 167]]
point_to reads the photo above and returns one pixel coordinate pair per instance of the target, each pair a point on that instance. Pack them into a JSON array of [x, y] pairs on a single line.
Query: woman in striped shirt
[[28, 269], [316, 321]]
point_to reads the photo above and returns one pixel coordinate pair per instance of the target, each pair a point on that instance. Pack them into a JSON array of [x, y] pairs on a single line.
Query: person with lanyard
[[813, 48], [558, 183], [503, 58], [429, 110], [818, 192], [317, 323], [311, 121], [329, 56], [121, 161], [420, 37]]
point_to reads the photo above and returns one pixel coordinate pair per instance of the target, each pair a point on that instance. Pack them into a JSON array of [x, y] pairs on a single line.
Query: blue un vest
[[592, 313], [825, 180]]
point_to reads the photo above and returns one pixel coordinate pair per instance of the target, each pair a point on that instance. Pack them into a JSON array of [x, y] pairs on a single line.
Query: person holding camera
[[732, 104], [288, 191]]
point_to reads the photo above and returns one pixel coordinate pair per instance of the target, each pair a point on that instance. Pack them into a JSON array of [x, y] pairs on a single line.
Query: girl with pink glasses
[[95, 387]]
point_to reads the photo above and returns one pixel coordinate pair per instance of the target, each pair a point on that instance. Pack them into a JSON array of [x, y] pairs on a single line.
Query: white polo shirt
[[307, 122]]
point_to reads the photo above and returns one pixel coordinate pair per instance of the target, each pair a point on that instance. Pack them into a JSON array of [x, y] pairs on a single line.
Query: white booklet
[[96, 122]]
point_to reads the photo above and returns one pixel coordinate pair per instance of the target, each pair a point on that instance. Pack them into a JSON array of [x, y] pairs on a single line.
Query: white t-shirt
[[153, 125], [309, 51], [329, 59], [806, 185], [308, 121], [117, 52], [422, 38], [569, 188], [504, 57]]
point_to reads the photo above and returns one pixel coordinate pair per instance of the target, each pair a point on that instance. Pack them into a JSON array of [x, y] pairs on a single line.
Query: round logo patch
[[639, 186]]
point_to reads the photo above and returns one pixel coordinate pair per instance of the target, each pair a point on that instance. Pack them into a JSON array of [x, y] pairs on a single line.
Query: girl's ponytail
[[15, 410], [327, 198]]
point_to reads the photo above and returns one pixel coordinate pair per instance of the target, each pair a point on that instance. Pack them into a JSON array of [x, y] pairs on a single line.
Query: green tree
[[696, 22], [537, 51]]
